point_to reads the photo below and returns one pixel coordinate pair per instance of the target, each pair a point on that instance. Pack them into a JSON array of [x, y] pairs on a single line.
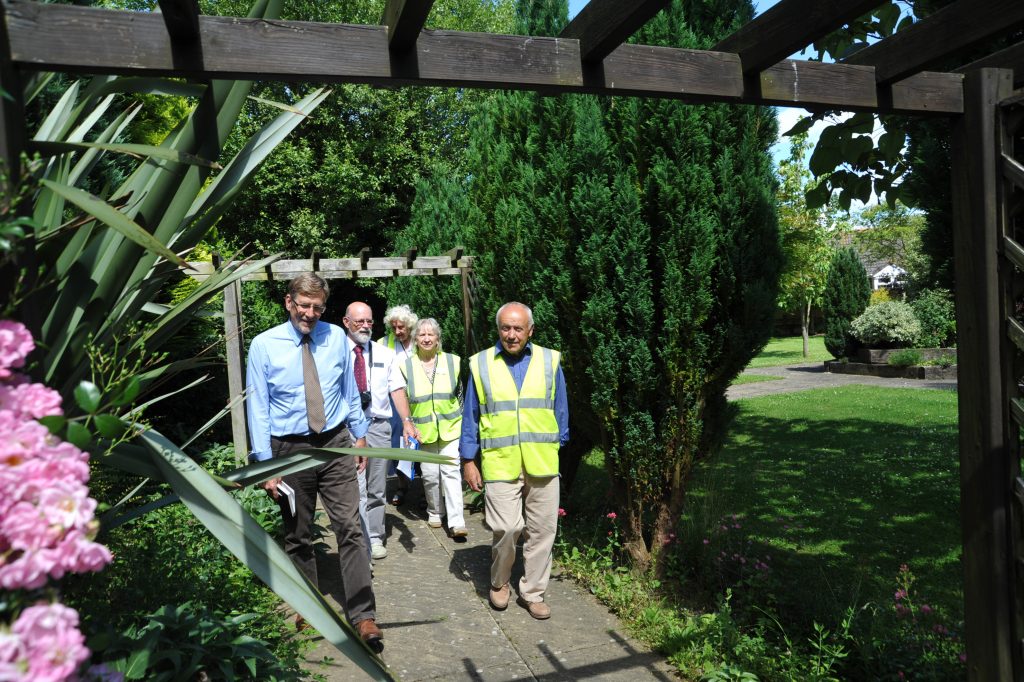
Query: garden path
[[809, 375], [432, 606]]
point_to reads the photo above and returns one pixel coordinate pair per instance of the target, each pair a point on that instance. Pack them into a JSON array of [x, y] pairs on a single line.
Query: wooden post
[[467, 312], [985, 467], [234, 354]]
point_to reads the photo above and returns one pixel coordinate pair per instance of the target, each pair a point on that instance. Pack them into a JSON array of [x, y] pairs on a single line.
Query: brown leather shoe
[[499, 597], [371, 634], [537, 609]]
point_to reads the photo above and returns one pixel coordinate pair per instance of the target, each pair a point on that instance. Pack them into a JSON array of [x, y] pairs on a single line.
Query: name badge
[[378, 364]]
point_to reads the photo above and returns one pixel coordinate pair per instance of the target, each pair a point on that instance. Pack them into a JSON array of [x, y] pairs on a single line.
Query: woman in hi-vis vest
[[432, 382]]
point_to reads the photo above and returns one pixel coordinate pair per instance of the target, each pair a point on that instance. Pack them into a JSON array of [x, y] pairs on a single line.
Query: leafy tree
[[806, 239], [893, 235], [847, 292], [644, 236], [348, 181]]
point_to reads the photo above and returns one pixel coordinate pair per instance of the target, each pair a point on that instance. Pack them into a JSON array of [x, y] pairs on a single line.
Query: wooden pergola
[[748, 67], [361, 266]]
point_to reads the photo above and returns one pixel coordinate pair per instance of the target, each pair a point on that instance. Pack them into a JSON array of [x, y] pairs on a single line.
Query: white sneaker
[[433, 520], [378, 550]]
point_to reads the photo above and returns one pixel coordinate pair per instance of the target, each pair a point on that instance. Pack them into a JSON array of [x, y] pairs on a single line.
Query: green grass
[[754, 378], [834, 489], [789, 350], [840, 487]]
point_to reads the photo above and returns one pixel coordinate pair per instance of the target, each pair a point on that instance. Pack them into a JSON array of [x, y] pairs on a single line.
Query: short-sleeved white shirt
[[382, 376]]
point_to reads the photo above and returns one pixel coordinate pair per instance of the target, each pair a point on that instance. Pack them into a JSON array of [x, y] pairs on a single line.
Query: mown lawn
[[789, 350], [754, 379], [806, 515], [839, 487]]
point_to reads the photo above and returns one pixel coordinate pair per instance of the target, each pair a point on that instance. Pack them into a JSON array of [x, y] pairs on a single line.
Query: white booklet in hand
[[288, 492]]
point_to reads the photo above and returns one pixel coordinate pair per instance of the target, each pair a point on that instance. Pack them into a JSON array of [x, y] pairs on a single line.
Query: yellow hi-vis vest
[[517, 428], [435, 409], [391, 341]]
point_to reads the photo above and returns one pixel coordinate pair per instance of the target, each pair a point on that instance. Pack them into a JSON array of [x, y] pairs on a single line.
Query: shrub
[[935, 311], [847, 292], [905, 358], [190, 642], [880, 295], [887, 325]]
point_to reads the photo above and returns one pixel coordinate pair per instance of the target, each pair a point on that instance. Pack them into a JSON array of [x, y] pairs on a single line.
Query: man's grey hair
[[402, 313], [309, 284], [430, 323], [497, 315]]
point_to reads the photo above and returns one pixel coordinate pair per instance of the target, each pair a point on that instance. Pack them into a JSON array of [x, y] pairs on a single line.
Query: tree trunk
[[805, 325]]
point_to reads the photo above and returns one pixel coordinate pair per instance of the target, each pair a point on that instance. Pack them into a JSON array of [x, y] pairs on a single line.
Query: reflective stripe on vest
[[391, 341], [435, 410], [517, 428]]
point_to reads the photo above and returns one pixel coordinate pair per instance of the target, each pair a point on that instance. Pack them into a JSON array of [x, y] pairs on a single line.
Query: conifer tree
[[847, 293], [643, 234]]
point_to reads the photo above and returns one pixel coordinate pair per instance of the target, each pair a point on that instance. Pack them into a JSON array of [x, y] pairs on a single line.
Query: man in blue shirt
[[302, 395], [526, 421]]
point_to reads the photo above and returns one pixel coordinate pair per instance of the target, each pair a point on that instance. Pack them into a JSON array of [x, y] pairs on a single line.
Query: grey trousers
[[373, 483], [336, 484]]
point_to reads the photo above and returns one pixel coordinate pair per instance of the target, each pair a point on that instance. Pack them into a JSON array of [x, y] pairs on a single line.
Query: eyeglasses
[[361, 323], [306, 307]]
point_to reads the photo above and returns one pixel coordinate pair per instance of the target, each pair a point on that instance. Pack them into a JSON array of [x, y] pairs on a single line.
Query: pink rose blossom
[[30, 400], [612, 515], [561, 512], [926, 609], [15, 345], [55, 647]]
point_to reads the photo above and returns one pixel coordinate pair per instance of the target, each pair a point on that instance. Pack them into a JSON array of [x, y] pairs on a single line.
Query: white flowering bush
[[887, 325], [47, 526]]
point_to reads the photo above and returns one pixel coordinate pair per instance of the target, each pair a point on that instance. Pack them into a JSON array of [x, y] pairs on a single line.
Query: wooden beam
[[13, 136], [954, 28], [405, 19], [182, 20], [603, 25], [984, 403], [789, 27], [1008, 58], [88, 40]]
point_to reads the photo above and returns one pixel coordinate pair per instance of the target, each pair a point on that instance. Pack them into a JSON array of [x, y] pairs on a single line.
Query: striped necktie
[[311, 382]]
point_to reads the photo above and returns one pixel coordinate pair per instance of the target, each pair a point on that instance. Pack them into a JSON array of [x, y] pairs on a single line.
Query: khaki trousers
[[527, 507]]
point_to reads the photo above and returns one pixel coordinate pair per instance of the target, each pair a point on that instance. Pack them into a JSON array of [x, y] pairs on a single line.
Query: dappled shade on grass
[[840, 487]]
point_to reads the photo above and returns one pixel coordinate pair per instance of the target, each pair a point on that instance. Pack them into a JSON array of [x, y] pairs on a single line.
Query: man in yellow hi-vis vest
[[516, 417]]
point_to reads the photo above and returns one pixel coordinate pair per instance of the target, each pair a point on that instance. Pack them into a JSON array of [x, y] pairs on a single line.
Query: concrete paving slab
[[438, 625]]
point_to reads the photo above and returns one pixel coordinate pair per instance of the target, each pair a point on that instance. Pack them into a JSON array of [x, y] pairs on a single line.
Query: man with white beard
[[377, 376]]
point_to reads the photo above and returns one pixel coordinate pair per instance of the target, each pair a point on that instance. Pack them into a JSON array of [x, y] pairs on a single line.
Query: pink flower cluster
[[43, 644], [46, 519]]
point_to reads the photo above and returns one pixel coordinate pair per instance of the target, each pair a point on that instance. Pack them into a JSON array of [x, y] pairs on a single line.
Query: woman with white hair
[[399, 321], [432, 383]]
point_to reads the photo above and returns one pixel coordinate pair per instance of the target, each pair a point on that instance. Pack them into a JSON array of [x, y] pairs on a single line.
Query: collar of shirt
[[500, 350], [320, 334]]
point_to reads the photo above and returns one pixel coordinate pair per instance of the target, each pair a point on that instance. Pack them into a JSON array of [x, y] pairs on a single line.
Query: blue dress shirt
[[277, 396], [469, 441]]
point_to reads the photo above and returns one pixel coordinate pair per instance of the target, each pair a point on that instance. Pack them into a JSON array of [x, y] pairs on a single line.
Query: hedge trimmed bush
[[887, 325], [847, 293]]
